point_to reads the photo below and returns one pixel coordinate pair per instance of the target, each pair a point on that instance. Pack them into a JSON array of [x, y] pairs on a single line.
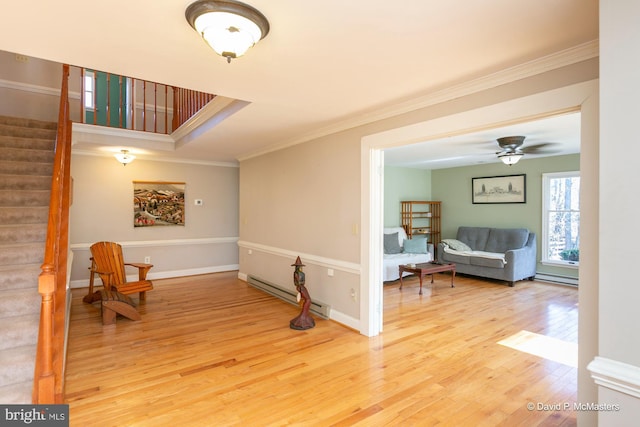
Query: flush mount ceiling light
[[228, 26], [124, 157]]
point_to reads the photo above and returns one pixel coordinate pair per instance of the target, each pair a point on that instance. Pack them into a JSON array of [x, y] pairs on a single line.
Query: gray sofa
[[507, 254]]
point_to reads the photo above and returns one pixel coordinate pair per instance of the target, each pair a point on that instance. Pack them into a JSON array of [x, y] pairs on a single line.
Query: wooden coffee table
[[428, 268]]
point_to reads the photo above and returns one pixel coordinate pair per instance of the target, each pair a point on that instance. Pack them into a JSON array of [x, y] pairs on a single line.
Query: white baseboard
[[343, 319], [334, 315]]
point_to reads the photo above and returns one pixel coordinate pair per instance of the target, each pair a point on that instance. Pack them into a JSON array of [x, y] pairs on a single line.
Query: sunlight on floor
[[539, 345]]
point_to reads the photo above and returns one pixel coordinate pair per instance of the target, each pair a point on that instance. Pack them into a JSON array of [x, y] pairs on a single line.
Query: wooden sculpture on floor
[[303, 320], [107, 261]]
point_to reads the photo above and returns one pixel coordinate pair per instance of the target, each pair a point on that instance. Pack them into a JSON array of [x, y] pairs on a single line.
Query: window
[[89, 90], [561, 218]]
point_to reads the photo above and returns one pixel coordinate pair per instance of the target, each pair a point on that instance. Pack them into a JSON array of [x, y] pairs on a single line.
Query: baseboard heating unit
[[289, 296], [563, 280]]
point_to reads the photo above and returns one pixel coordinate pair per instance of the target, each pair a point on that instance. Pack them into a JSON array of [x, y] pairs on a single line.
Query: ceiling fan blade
[[538, 148]]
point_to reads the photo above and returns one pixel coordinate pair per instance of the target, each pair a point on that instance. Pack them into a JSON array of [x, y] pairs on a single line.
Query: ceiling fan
[[511, 149]]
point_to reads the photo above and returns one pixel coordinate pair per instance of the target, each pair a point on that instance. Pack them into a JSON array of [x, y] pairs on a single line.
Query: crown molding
[[563, 58], [80, 152]]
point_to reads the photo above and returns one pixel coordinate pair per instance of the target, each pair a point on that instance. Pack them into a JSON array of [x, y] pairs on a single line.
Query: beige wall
[[29, 87], [103, 210], [306, 199]]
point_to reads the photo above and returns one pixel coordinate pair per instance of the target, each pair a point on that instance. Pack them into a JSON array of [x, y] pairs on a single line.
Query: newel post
[[46, 377]]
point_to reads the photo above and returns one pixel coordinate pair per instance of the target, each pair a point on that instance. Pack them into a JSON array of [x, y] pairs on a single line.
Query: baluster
[[144, 105], [108, 118], [133, 104], [166, 109], [120, 101], [83, 111]]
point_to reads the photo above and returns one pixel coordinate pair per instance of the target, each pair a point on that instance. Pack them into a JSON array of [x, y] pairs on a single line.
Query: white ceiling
[[323, 63], [561, 133]]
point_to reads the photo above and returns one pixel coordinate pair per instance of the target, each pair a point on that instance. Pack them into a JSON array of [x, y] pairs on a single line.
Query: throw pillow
[[391, 245], [456, 245], [417, 245]]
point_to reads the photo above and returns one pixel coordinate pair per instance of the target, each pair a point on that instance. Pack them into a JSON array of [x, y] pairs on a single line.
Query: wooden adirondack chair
[[107, 262]]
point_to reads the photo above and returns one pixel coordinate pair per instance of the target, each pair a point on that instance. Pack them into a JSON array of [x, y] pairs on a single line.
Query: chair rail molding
[[347, 267], [172, 242], [618, 376]]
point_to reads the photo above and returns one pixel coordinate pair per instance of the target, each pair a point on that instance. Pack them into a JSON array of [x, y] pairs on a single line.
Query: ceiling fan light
[[510, 158]]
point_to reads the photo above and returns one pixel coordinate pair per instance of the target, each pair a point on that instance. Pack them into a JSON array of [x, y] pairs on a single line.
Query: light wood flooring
[[212, 351]]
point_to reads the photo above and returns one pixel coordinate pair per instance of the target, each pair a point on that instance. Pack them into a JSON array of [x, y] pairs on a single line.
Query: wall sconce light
[[228, 26], [124, 157]]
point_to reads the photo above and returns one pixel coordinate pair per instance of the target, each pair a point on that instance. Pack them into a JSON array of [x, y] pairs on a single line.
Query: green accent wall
[[453, 187], [402, 184], [117, 99]]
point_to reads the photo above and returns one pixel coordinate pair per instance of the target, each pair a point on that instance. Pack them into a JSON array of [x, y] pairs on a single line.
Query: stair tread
[[20, 276], [24, 161], [16, 393], [20, 245], [17, 350], [25, 122], [19, 331], [24, 318], [17, 364], [19, 175], [26, 131], [5, 268], [16, 303]]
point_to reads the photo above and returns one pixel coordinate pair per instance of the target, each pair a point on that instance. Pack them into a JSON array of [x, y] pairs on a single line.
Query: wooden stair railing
[[48, 387], [128, 103], [48, 383]]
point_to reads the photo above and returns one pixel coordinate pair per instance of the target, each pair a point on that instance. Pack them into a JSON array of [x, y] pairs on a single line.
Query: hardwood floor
[[212, 351]]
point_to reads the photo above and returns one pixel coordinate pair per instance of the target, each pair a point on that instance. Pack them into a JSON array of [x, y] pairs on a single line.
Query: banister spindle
[[166, 109], [108, 116], [144, 105], [119, 101], [155, 108]]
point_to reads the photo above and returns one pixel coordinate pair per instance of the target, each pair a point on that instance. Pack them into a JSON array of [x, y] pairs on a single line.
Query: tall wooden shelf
[[421, 218]]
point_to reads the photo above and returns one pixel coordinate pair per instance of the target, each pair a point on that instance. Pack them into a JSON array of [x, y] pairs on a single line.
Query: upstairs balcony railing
[[123, 102]]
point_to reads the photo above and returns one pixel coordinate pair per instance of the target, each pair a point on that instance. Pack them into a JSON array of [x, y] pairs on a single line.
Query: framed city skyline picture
[[499, 189]]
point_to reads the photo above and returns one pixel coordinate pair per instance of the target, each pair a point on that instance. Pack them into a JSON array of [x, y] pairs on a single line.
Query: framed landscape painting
[[499, 189], [158, 203]]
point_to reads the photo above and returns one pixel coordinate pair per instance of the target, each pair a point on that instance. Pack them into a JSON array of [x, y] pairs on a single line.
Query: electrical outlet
[[147, 260]]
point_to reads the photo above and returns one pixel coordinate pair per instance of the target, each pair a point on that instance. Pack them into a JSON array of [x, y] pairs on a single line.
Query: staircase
[[26, 163]]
